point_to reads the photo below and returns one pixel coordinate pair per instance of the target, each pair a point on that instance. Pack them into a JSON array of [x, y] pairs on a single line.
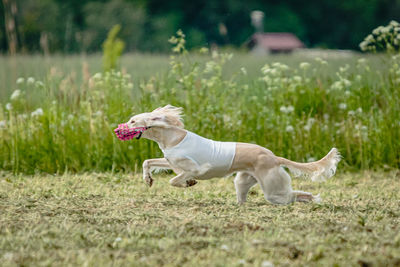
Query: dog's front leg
[[148, 164], [183, 180]]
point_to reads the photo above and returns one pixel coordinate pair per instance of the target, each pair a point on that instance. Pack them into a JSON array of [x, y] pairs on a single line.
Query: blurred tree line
[[72, 26]]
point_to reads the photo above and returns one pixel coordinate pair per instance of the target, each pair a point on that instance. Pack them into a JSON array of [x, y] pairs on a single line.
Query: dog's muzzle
[[124, 133]]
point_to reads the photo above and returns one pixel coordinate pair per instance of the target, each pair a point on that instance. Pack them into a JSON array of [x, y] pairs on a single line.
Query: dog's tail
[[319, 170]]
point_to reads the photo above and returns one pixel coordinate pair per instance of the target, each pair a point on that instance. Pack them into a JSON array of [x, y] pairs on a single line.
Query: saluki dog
[[193, 157]]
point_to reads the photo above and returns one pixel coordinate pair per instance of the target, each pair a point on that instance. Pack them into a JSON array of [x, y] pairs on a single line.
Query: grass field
[[57, 113], [115, 219], [70, 192]]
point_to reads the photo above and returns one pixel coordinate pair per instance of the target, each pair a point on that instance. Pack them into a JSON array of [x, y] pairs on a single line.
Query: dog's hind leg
[[301, 196], [243, 183], [183, 180], [276, 185]]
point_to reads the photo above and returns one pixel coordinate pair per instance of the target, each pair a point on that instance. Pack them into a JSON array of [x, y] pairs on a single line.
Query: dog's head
[[168, 116]]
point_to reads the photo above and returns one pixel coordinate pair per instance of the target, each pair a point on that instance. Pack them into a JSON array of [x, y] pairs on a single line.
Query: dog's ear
[[158, 120]]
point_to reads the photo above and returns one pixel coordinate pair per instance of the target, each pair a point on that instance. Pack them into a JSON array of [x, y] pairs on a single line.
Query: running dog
[[193, 157]]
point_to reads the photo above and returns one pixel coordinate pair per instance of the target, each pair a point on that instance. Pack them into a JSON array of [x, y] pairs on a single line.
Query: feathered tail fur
[[319, 170]]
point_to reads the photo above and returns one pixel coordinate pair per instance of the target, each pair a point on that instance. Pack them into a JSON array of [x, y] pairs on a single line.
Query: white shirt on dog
[[215, 156]]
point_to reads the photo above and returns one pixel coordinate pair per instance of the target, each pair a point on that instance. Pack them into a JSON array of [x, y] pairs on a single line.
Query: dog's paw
[[148, 180], [190, 182]]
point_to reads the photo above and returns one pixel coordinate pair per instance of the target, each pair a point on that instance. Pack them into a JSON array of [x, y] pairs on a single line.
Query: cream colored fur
[[252, 163]]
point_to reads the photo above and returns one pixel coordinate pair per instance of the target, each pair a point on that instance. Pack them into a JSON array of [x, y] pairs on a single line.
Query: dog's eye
[[132, 121]]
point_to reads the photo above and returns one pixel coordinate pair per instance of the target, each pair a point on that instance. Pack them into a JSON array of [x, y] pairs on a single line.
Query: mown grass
[[115, 219]]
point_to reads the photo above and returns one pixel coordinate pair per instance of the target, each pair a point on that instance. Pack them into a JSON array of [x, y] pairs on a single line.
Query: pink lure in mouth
[[125, 133]]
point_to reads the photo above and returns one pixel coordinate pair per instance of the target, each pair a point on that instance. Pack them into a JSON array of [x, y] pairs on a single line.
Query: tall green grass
[[64, 121]]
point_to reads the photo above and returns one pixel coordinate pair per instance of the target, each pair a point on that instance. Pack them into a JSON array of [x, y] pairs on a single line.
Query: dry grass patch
[[104, 219]]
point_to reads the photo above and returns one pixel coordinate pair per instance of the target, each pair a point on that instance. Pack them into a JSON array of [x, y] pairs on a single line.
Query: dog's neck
[[165, 137]]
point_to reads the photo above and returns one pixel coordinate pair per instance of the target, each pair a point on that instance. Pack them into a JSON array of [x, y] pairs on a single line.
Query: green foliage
[[297, 109], [82, 25], [112, 49], [113, 219], [385, 39], [101, 17]]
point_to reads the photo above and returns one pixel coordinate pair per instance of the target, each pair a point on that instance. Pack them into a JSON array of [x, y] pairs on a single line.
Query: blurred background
[[76, 26]]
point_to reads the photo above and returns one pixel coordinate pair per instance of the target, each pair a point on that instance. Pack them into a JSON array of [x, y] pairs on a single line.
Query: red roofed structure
[[279, 42]]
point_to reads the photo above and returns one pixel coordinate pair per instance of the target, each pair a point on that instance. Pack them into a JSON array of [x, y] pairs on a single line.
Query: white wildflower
[[118, 239], [70, 117], [287, 109], [265, 69], [394, 23], [359, 110], [309, 124], [20, 80], [274, 72], [326, 116], [39, 84], [226, 118], [30, 80], [15, 94], [97, 76], [283, 109], [243, 70], [346, 83], [337, 86], [351, 113], [369, 38], [3, 124], [210, 66], [385, 29], [343, 106], [321, 61], [225, 247], [266, 79], [9, 106], [289, 129], [377, 30], [37, 113], [345, 68], [297, 79], [99, 113], [304, 65]]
